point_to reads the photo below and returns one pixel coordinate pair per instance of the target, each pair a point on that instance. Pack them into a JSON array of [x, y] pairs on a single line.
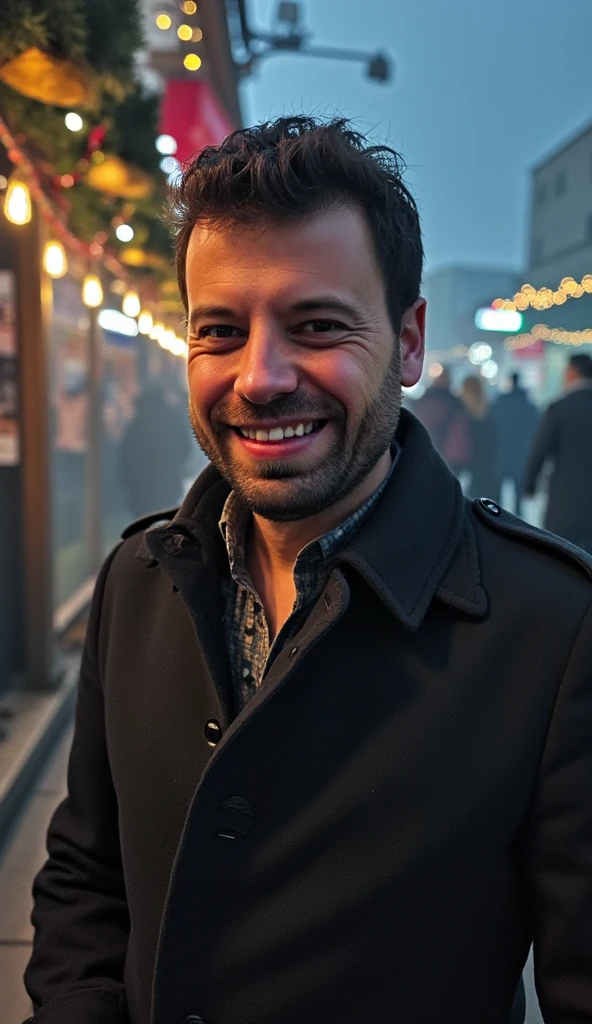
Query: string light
[[558, 335], [92, 291], [185, 32], [545, 298], [17, 202], [145, 322], [163, 21], [196, 35], [192, 62], [130, 304], [189, 7], [55, 261]]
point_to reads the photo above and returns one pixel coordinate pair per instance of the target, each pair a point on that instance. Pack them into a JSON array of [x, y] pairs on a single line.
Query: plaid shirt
[[245, 624]]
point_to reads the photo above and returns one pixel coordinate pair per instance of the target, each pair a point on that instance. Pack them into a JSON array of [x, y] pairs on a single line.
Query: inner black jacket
[[381, 833]]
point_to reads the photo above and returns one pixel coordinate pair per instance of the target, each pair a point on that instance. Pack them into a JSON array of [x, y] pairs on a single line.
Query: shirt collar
[[235, 519]]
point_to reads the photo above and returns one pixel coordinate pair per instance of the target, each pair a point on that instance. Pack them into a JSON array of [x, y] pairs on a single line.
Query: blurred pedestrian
[[444, 417], [153, 453], [564, 440], [481, 463], [516, 419]]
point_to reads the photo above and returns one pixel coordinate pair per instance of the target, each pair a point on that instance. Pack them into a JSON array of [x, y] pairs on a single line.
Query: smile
[[275, 434]]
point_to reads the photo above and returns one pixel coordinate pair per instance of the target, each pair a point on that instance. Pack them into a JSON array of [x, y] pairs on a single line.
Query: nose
[[267, 368]]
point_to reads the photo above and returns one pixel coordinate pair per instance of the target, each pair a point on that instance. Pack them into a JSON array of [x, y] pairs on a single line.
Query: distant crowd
[[487, 445]]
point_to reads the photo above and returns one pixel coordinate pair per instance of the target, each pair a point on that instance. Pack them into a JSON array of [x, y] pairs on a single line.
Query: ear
[[412, 342]]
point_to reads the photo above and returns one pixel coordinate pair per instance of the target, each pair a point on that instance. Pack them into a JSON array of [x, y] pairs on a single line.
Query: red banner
[[192, 113]]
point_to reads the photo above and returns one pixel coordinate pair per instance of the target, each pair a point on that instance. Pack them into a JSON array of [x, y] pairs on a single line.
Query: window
[[561, 184]]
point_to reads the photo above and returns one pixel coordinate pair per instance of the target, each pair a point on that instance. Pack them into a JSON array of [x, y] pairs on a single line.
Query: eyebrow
[[305, 306]]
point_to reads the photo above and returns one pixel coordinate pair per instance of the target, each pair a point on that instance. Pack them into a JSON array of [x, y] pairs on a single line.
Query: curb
[[20, 781]]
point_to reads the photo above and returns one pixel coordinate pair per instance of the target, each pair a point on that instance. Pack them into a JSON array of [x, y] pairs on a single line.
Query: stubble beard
[[279, 492]]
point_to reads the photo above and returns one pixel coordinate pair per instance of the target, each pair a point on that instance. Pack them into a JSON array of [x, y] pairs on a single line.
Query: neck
[[276, 546]]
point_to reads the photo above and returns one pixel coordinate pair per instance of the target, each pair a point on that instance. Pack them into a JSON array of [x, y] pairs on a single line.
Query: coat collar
[[417, 544]]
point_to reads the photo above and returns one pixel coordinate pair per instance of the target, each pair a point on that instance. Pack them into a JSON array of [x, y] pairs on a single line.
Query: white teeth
[[277, 433]]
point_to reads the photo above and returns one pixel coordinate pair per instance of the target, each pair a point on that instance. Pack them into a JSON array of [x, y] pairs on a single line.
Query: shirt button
[[213, 732]]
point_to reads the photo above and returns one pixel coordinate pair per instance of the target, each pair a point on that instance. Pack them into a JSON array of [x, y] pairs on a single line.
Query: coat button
[[173, 543], [490, 506], [213, 732], [328, 600], [235, 818]]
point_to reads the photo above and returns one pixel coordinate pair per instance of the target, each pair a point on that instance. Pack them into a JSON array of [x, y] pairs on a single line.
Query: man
[[445, 418], [516, 419], [332, 750], [154, 449], [564, 440]]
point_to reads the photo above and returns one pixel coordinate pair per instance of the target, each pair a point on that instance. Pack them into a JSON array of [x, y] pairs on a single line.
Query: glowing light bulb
[[184, 32], [73, 121], [125, 232], [196, 35], [55, 261], [145, 322], [130, 304], [192, 62], [166, 145], [189, 7], [17, 202], [163, 21], [92, 291]]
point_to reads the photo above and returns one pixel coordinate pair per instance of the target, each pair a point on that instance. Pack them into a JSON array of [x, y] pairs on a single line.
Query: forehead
[[332, 248]]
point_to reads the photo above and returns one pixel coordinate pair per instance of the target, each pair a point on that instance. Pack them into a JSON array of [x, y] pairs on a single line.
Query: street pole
[[94, 452], [33, 311]]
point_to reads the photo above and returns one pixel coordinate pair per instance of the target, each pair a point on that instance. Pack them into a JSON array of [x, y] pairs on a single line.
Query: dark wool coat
[[565, 439], [378, 837]]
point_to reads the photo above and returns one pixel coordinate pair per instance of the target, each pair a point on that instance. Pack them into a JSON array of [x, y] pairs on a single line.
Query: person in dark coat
[[482, 462], [153, 452], [564, 440], [516, 419], [445, 418], [333, 735]]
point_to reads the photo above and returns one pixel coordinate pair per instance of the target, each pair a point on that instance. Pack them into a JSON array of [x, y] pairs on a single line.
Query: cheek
[[351, 374], [209, 381]]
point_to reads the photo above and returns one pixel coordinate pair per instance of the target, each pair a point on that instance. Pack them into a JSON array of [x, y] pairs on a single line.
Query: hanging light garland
[[22, 188], [545, 298], [557, 335]]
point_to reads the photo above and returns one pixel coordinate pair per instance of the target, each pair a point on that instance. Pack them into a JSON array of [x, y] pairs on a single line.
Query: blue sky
[[483, 90]]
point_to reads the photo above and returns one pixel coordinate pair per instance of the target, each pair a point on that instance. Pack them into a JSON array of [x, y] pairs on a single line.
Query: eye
[[219, 331], [321, 326]]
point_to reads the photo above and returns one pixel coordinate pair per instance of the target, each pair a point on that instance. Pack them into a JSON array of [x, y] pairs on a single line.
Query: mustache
[[294, 406]]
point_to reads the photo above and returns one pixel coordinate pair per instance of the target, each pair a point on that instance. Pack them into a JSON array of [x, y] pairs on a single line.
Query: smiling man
[[333, 749]]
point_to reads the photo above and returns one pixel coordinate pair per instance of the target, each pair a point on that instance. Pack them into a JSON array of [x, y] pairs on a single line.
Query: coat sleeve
[[544, 447], [80, 915], [558, 848]]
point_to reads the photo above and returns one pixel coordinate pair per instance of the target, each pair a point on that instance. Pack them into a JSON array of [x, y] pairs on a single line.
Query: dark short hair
[[582, 364], [293, 167]]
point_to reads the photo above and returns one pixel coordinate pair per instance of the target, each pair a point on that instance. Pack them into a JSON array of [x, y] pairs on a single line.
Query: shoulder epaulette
[[492, 514], [145, 521]]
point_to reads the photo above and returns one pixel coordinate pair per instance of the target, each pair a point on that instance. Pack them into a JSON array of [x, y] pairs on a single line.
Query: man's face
[[294, 369]]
